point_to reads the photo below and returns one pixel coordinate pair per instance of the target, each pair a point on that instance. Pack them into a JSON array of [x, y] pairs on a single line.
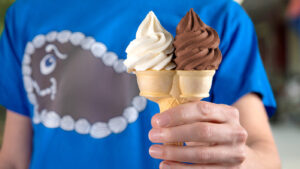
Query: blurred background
[[4, 4], [277, 24]]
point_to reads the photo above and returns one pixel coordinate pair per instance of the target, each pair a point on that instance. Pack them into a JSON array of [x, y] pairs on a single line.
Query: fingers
[[200, 132], [200, 155], [177, 165], [195, 112], [212, 132]]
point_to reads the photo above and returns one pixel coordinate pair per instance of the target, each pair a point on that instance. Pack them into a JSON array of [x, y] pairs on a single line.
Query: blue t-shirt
[[61, 65]]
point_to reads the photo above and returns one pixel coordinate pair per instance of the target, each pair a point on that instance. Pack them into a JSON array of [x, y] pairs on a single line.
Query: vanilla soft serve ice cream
[[152, 49]]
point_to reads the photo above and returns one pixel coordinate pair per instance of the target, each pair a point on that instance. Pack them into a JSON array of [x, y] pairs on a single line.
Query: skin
[[217, 137], [293, 9], [16, 148]]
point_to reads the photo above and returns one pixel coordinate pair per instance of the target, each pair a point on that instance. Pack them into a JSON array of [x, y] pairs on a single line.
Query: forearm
[[15, 152], [261, 149], [261, 155], [5, 163]]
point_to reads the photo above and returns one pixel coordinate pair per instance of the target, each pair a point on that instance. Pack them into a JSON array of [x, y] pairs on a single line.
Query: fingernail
[[164, 165], [163, 120], [156, 152], [155, 135]]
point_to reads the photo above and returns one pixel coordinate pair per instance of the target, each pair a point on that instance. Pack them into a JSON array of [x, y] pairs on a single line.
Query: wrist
[[261, 156]]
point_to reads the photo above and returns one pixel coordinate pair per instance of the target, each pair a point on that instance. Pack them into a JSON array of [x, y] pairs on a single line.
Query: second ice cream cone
[[195, 85]]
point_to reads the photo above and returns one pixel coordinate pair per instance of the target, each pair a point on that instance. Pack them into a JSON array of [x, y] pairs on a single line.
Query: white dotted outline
[[52, 119]]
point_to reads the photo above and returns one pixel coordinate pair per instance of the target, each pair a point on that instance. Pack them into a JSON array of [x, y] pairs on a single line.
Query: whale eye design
[[48, 64]]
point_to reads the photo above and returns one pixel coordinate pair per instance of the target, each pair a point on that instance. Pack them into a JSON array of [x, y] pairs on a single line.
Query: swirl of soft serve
[[152, 49]]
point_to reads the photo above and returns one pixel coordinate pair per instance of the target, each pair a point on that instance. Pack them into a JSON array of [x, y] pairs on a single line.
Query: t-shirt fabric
[[61, 64]]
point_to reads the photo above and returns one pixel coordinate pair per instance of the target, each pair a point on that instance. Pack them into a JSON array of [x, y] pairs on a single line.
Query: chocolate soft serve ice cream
[[196, 44]]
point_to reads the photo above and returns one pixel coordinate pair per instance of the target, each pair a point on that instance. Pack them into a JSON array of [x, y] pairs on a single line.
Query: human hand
[[212, 132]]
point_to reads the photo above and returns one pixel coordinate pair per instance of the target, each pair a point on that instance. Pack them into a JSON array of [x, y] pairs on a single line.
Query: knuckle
[[239, 134], [203, 156], [240, 155], [182, 114], [204, 108], [204, 131], [234, 112], [180, 109], [167, 135]]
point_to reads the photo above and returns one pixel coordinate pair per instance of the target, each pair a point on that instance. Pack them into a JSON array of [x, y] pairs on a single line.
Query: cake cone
[[172, 88], [166, 104], [195, 85], [157, 86]]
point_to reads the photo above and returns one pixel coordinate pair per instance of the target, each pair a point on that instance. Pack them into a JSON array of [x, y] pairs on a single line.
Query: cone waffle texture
[[168, 103]]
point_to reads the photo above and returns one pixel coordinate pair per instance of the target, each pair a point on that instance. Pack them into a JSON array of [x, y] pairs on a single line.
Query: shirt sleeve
[[241, 71], [12, 92]]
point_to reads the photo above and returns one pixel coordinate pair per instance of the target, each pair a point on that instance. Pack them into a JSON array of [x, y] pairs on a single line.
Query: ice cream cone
[[192, 86], [155, 84], [160, 87], [172, 88], [195, 85]]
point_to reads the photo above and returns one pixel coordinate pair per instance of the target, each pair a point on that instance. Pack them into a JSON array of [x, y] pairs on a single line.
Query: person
[[71, 104], [293, 15], [293, 9]]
